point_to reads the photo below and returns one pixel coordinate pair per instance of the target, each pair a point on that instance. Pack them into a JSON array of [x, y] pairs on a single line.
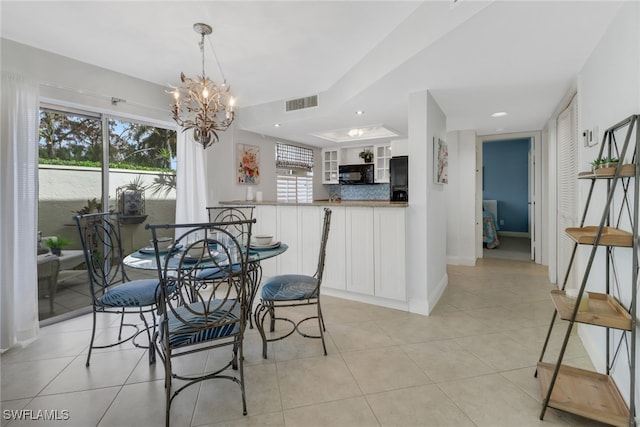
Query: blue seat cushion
[[215, 272], [289, 287], [135, 293], [188, 325]]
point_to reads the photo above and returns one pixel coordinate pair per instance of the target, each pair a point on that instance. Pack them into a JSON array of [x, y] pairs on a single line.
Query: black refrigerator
[[399, 179]]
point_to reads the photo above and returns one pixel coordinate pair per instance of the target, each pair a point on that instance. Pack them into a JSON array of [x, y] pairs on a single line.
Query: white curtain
[[191, 186], [18, 211]]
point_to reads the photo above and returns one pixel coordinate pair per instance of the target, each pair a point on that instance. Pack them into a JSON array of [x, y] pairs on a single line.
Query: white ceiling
[[476, 57]]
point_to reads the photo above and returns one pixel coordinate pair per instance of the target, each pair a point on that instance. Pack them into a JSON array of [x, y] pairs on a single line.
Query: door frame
[[535, 183]]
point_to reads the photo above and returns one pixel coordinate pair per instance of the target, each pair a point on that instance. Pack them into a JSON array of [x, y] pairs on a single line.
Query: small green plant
[[56, 242], [367, 155], [597, 162], [610, 160]]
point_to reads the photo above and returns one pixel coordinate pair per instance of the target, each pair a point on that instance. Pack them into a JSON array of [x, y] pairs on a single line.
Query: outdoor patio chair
[[48, 269]]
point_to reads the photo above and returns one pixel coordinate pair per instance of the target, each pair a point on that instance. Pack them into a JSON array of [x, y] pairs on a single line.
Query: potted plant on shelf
[[596, 164], [56, 244], [610, 162], [367, 155]]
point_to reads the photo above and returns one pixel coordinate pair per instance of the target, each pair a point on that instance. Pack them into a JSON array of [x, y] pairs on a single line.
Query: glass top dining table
[[146, 259]]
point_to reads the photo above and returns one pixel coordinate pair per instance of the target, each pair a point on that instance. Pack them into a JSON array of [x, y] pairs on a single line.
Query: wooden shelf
[[628, 171], [604, 310], [610, 236], [585, 393]]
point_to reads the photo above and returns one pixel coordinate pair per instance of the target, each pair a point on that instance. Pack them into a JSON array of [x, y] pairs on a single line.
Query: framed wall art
[[248, 162], [441, 161]]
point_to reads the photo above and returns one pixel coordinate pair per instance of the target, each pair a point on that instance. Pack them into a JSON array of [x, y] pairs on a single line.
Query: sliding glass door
[[134, 173]]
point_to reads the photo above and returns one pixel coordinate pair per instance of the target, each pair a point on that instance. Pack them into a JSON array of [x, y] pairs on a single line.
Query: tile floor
[[470, 363]]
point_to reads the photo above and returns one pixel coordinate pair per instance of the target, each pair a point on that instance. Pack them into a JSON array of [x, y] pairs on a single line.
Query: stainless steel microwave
[[356, 174]]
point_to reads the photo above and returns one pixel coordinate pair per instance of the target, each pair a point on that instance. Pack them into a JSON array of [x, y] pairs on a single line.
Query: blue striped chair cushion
[[228, 310], [135, 293], [288, 287]]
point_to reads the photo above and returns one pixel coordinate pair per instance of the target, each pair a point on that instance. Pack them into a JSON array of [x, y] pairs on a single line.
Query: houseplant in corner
[[56, 244], [367, 155]]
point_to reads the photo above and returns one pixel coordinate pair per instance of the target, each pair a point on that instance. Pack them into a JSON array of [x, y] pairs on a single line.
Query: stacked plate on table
[[263, 241]]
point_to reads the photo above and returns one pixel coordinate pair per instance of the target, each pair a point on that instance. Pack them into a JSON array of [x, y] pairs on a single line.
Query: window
[[294, 173]]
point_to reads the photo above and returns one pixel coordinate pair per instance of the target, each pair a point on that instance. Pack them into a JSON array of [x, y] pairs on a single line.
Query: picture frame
[[440, 161], [248, 164]]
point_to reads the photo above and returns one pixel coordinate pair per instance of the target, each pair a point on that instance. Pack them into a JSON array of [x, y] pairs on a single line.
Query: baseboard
[[521, 234]]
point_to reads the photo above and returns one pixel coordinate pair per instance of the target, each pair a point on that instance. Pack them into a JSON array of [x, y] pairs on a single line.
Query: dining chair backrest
[[326, 223], [204, 246], [234, 215], [102, 245]]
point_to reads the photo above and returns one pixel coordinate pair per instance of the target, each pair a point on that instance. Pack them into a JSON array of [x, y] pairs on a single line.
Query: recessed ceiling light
[[277, 125], [359, 112], [499, 114]]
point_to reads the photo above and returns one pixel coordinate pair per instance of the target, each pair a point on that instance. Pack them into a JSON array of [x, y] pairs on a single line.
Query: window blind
[[293, 157], [295, 189]]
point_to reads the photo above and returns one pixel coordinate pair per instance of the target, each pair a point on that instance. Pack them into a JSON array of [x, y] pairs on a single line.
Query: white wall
[[426, 214], [608, 92], [221, 158], [461, 200], [75, 83]]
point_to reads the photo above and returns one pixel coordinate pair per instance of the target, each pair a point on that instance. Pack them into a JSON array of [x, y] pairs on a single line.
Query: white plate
[[151, 250], [272, 245]]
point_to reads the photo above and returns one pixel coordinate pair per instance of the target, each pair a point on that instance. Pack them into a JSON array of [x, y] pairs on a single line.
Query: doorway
[[508, 197]]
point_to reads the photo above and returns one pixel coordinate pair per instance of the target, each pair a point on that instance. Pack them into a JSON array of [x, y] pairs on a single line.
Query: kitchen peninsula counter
[[345, 203], [365, 259]]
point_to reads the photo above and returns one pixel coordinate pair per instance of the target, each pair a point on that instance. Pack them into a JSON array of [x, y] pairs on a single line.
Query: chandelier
[[201, 104]]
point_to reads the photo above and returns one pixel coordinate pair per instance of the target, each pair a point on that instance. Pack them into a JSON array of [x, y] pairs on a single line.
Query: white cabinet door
[[389, 253], [266, 223], [330, 163], [289, 233], [359, 247], [334, 264], [382, 156]]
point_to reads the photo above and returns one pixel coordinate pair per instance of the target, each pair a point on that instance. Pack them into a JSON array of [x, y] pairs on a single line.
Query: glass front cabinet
[[330, 162], [382, 156]]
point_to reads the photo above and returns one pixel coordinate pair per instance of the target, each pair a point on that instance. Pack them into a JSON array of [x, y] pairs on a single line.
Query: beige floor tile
[[384, 369], [27, 379], [494, 401], [446, 360], [315, 380], [106, 370], [347, 412], [49, 346], [266, 420], [417, 406], [70, 409], [143, 405], [359, 336], [499, 351]]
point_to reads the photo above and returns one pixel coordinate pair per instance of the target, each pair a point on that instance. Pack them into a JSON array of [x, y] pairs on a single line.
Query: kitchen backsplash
[[359, 192]]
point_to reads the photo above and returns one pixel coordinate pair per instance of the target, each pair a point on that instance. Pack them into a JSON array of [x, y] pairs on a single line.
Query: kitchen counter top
[[347, 203]]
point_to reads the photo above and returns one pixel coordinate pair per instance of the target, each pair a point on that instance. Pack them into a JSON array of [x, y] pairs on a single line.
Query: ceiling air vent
[[301, 103]]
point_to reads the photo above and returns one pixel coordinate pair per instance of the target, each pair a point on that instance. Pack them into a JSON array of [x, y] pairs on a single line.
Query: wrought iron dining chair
[[111, 289], [197, 314], [232, 218], [48, 269], [293, 290]]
